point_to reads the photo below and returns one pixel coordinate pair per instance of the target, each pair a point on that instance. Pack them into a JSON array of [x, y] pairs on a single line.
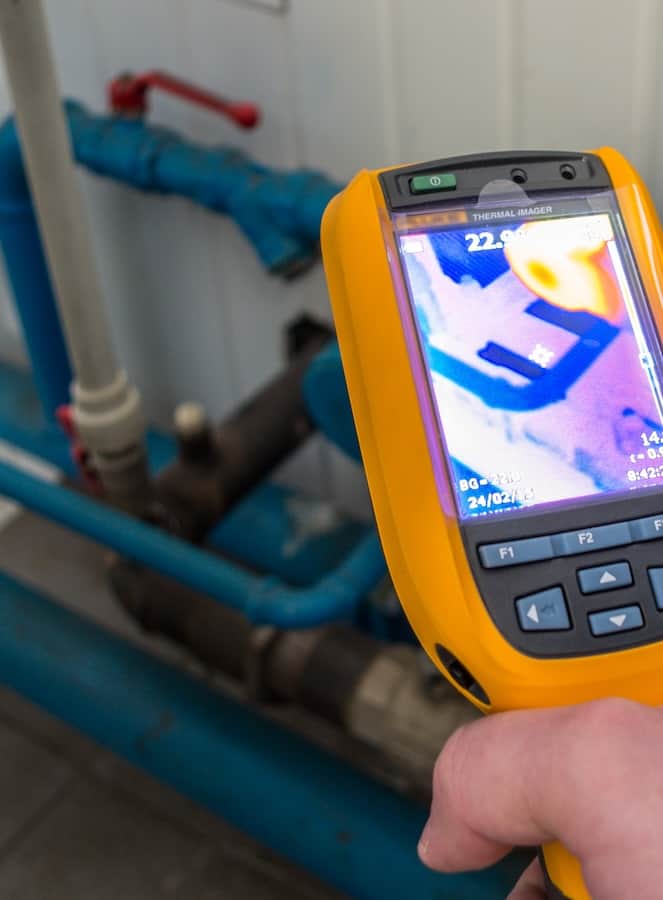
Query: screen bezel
[[564, 203]]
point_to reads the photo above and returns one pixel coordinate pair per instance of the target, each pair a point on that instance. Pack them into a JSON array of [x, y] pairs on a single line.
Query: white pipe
[[107, 408]]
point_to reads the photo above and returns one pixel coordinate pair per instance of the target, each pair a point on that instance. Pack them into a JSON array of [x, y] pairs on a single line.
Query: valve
[[128, 93]]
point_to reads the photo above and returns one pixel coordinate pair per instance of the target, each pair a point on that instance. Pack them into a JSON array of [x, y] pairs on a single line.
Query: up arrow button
[[605, 578]]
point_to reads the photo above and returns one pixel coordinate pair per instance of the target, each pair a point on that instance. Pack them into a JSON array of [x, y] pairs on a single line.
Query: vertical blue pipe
[[29, 278]]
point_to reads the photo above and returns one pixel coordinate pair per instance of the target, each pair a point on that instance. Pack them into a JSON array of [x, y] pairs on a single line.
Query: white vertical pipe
[[55, 189], [107, 409]]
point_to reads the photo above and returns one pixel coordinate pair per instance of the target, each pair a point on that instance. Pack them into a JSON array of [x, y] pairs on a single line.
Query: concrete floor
[[77, 822]]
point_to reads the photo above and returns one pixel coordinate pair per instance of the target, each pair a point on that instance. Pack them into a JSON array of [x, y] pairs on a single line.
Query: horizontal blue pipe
[[279, 212], [307, 805], [263, 600]]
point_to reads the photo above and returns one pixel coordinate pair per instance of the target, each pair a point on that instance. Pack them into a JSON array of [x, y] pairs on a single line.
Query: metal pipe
[[350, 831], [318, 668], [30, 282], [378, 692], [197, 489], [261, 599], [107, 408]]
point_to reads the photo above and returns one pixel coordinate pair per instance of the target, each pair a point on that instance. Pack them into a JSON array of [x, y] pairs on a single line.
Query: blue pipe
[[315, 809], [29, 279], [327, 401], [263, 600], [279, 212], [273, 529]]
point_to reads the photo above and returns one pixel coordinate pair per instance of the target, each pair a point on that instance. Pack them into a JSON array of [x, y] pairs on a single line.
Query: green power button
[[438, 181]]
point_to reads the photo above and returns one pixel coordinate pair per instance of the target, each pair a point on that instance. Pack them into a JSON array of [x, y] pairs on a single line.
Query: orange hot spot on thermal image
[[566, 262]]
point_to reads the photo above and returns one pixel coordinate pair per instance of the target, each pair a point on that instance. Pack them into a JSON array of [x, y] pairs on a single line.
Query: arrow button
[[605, 578], [544, 611], [610, 621], [532, 613]]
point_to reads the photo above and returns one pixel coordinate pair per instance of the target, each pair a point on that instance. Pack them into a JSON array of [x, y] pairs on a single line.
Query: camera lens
[[567, 171], [519, 176]]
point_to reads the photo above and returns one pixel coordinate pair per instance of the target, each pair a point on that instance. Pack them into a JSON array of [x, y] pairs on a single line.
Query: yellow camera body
[[517, 480]]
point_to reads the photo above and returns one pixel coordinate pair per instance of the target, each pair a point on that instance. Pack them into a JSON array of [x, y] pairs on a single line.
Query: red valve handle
[[128, 94]]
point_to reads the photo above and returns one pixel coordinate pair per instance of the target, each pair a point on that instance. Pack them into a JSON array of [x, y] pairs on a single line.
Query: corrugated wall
[[343, 84]]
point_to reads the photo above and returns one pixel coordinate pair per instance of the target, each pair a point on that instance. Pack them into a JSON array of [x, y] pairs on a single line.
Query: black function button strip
[[550, 600], [570, 543]]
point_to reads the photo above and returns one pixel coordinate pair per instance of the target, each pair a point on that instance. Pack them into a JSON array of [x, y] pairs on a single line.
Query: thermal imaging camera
[[499, 319]]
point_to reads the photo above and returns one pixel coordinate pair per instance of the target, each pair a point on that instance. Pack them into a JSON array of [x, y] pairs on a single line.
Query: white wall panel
[[444, 76], [577, 63], [339, 81]]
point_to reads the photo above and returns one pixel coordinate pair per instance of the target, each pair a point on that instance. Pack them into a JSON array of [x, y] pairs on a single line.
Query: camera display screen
[[540, 353]]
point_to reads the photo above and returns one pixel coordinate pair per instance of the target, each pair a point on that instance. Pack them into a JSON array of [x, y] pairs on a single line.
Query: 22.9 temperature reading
[[485, 240]]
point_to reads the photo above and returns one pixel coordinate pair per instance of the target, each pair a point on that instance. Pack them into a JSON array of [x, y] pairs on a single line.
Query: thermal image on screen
[[545, 386]]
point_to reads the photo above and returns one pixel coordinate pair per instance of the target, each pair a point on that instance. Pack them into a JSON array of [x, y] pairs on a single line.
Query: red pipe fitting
[[128, 95], [80, 455]]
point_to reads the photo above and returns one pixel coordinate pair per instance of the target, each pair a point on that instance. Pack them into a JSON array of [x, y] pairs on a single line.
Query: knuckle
[[609, 717], [608, 726]]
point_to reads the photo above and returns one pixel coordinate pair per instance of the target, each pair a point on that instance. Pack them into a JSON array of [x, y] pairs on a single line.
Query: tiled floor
[[78, 823]]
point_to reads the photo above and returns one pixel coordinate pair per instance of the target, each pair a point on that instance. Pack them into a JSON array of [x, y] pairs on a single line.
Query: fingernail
[[424, 840]]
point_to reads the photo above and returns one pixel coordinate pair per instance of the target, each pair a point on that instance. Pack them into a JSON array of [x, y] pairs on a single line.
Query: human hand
[[590, 776]]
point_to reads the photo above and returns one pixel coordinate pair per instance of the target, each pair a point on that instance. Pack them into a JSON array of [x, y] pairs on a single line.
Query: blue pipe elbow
[[336, 596]]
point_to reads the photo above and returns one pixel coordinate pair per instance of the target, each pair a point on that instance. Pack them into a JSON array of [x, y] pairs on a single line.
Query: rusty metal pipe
[[317, 668], [374, 691], [194, 492]]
